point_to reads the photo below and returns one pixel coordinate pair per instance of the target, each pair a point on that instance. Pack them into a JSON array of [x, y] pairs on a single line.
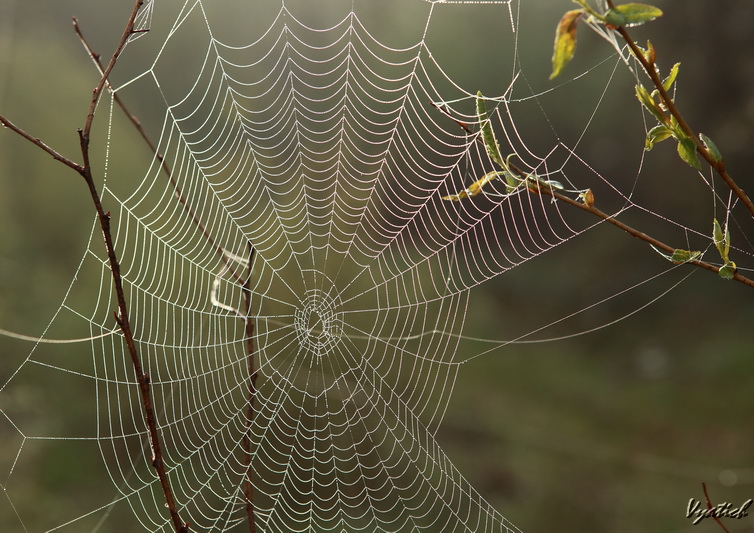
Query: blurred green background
[[609, 431]]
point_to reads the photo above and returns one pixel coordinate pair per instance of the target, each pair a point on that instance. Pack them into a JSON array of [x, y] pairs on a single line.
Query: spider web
[[307, 161]]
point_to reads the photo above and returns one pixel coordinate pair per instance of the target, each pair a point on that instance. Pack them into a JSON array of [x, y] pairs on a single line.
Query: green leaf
[[512, 181], [657, 134], [683, 256], [722, 240], [727, 271], [719, 239], [687, 151], [679, 256], [717, 157], [650, 104], [565, 41], [488, 135], [668, 82], [615, 18], [632, 14]]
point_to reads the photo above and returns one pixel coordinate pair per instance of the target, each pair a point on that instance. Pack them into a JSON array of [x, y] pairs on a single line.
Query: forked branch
[[121, 315], [650, 68], [229, 266], [177, 191]]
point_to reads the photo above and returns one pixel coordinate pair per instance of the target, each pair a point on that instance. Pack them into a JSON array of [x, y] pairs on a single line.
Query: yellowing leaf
[[475, 188], [565, 41], [670, 80], [587, 197]]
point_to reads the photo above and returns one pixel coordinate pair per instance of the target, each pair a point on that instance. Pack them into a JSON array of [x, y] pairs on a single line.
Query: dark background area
[[613, 430]]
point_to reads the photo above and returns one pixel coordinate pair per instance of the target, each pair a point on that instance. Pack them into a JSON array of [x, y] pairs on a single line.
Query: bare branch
[[127, 32], [229, 265], [121, 316], [178, 193], [250, 409], [37, 142], [709, 506]]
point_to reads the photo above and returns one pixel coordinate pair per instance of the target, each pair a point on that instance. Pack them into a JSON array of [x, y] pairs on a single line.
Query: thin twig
[[37, 142], [709, 506], [250, 409], [598, 213], [717, 165], [229, 266], [177, 191], [121, 315], [640, 235]]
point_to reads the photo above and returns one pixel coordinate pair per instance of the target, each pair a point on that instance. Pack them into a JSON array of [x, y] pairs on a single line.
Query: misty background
[[613, 430]]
